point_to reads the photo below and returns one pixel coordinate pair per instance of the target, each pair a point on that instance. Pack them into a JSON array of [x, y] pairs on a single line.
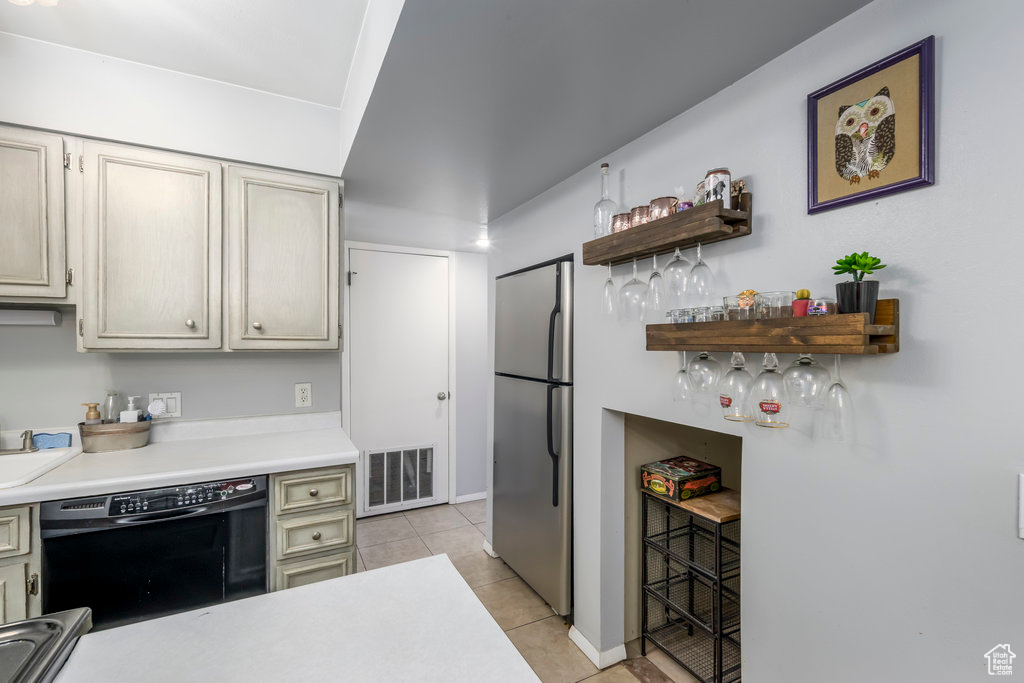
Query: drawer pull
[[316, 535], [313, 493]]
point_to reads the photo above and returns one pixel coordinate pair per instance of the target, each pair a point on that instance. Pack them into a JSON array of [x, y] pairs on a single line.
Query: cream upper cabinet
[[152, 249], [32, 256], [283, 260]]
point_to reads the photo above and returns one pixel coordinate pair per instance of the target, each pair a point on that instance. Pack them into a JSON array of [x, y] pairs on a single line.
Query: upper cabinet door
[[152, 249], [283, 263], [32, 261]]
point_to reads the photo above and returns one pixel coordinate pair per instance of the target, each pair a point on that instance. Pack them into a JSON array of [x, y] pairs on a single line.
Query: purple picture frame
[[926, 82]]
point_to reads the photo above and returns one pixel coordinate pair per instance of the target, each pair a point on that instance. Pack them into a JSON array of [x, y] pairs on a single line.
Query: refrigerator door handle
[[551, 448], [555, 312]]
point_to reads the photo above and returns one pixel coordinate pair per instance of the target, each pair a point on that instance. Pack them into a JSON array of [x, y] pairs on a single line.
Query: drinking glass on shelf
[[655, 300], [836, 419], [774, 305], [704, 372], [662, 207], [677, 276], [639, 215], [610, 294], [620, 222], [681, 381], [806, 381], [702, 281], [768, 395], [631, 299], [734, 391]]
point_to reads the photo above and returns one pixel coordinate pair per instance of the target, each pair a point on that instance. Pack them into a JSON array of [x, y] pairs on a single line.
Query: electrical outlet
[[172, 399], [303, 394]]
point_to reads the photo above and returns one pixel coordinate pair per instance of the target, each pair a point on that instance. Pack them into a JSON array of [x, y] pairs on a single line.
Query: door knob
[[257, 326], [442, 395], [190, 324]]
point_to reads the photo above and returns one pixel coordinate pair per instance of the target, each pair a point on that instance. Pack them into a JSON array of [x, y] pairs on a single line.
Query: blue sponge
[[59, 440]]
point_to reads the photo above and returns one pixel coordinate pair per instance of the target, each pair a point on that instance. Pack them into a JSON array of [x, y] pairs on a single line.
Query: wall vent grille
[[400, 475]]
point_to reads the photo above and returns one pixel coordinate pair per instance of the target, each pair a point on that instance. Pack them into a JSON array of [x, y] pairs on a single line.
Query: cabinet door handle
[[33, 585], [313, 493], [257, 326], [316, 535], [190, 324]]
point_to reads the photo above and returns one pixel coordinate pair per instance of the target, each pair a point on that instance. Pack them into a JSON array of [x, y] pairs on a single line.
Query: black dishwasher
[[144, 554]]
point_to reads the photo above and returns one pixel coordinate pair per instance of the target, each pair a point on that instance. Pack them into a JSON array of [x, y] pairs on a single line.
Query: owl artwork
[[866, 137]]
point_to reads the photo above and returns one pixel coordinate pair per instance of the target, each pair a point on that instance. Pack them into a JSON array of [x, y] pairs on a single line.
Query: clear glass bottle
[[605, 208], [111, 406]]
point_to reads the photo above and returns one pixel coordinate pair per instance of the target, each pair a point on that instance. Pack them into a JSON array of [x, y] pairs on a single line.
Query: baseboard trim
[[602, 660], [488, 549], [469, 497]]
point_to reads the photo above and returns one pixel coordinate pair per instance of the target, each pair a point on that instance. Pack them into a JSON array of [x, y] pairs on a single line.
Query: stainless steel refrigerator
[[532, 485]]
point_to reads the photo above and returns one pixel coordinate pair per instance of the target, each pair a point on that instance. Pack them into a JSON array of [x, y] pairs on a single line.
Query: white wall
[[83, 93], [366, 222], [896, 559], [43, 380]]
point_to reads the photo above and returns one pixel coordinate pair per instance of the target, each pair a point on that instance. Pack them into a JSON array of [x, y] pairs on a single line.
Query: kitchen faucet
[[26, 445]]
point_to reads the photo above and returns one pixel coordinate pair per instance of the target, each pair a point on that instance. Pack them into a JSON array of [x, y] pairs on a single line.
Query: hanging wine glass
[[734, 391], [704, 372], [768, 395], [836, 419], [610, 295], [654, 302], [677, 278], [702, 281], [631, 299], [681, 381], [806, 381]]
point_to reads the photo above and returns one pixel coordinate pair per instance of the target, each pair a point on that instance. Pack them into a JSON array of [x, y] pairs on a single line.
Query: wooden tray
[[702, 224], [846, 333]]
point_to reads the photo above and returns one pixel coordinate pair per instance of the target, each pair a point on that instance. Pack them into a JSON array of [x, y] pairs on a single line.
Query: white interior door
[[398, 346]]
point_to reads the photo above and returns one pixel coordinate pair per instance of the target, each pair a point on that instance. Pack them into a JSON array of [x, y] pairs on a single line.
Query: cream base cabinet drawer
[[313, 489], [314, 533], [305, 572]]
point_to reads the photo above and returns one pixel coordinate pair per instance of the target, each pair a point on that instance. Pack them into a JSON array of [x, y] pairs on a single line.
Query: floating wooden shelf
[[702, 224], [844, 333]]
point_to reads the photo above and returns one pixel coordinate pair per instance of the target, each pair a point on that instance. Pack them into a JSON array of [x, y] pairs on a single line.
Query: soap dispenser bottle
[[132, 414], [92, 416]]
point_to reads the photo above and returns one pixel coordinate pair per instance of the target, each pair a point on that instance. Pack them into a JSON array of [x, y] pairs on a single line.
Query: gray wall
[[895, 558], [43, 379]]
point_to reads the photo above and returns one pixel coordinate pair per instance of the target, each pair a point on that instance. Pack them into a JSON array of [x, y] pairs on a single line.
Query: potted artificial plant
[[858, 295]]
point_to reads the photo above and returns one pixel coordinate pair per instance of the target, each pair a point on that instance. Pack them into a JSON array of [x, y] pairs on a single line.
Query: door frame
[[346, 361]]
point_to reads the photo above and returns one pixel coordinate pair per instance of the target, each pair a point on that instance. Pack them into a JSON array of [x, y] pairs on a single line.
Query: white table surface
[[188, 461], [416, 621]]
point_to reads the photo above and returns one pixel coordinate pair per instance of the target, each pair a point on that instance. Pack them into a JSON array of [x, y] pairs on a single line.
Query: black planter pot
[[858, 297]]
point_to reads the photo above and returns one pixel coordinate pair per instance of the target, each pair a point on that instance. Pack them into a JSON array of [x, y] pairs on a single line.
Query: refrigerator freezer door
[[533, 323], [533, 485]]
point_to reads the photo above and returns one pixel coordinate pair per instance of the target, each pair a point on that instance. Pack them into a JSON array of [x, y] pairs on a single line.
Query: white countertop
[[189, 460], [416, 621]]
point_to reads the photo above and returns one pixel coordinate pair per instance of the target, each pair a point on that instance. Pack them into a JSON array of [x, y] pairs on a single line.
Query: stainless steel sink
[[33, 650]]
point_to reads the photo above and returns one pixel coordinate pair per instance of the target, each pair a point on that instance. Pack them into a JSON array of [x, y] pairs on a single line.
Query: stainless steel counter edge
[[171, 463]]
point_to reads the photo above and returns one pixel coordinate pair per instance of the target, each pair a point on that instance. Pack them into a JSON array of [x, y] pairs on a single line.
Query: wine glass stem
[[634, 269], [837, 368], [682, 359]]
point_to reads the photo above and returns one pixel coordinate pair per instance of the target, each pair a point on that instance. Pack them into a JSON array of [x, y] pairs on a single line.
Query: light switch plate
[[173, 401]]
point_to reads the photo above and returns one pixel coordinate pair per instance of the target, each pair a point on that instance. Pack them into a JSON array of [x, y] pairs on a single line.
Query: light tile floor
[[541, 637]]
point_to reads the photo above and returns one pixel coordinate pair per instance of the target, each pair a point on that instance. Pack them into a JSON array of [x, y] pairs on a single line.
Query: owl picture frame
[[858, 148]]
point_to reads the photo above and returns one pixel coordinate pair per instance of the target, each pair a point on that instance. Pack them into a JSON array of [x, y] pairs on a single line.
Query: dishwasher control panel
[[178, 497]]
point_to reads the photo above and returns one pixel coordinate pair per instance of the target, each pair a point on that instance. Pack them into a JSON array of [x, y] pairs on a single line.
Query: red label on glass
[[726, 401], [770, 407]]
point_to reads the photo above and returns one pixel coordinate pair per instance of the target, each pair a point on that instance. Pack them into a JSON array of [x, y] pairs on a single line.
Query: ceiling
[[302, 50], [480, 105]]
